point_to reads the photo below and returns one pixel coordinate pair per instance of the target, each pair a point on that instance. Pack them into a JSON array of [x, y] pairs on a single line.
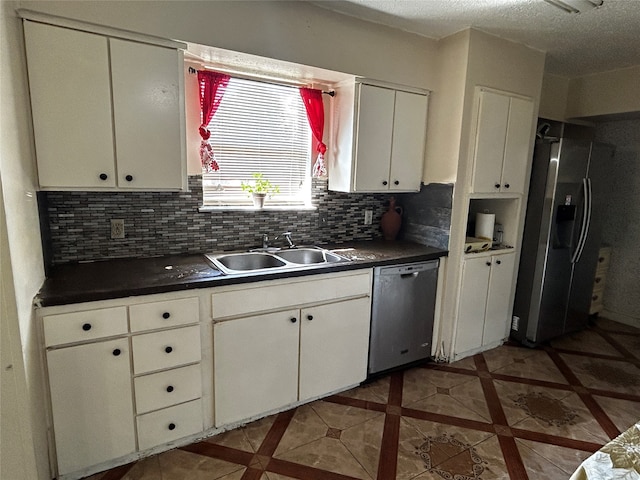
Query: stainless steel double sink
[[272, 260]]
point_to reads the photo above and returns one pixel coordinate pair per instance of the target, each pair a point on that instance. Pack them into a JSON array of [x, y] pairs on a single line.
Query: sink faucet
[[287, 236], [265, 240]]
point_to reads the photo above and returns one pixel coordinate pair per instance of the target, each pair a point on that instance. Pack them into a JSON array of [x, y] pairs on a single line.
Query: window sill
[[248, 208]]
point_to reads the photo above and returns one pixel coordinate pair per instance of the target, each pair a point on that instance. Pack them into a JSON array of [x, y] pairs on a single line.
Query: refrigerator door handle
[[586, 220]]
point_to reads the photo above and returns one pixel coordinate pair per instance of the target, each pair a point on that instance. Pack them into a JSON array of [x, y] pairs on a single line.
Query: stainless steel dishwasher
[[403, 306]]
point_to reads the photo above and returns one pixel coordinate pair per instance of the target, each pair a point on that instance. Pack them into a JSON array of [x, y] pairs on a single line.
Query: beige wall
[[17, 172], [607, 93], [553, 99], [446, 110], [17, 455], [292, 31]]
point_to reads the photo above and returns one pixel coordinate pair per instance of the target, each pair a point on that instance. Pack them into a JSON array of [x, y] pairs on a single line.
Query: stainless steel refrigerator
[[561, 235]]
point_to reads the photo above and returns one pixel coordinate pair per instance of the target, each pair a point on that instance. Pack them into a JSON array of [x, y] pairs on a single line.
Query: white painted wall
[[17, 170]]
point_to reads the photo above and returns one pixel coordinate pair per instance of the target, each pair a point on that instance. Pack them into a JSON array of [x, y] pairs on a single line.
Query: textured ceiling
[[598, 40]]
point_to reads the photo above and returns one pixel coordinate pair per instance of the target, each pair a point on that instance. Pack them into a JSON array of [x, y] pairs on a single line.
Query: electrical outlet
[[323, 220], [368, 217], [117, 228]]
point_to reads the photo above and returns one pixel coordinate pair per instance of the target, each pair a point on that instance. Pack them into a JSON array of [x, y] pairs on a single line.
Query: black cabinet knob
[[488, 264], [170, 388], [598, 279], [506, 185], [309, 317], [166, 315], [103, 176], [294, 319], [116, 352], [86, 327], [384, 182], [168, 349], [396, 182], [128, 178], [498, 262], [172, 426], [497, 185]]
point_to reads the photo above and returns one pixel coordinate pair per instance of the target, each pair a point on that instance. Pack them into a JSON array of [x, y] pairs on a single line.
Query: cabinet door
[[148, 115], [71, 106], [334, 344], [518, 141], [255, 365], [498, 310], [91, 403], [490, 140], [473, 302], [373, 138], [409, 132]]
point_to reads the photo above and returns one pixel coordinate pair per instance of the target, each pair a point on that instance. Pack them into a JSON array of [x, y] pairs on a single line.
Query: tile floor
[[511, 412]]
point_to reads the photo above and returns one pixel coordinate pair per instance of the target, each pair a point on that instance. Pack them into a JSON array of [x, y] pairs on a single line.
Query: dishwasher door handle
[[409, 275]]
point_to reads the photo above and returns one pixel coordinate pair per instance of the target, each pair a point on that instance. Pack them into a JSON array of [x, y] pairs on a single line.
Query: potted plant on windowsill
[[260, 188]]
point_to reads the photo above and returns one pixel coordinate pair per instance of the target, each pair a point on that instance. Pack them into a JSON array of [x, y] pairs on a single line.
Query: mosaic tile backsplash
[[166, 223]]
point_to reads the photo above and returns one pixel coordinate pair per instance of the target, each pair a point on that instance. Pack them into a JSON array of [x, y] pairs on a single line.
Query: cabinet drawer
[[163, 389], [280, 297], [149, 316], [166, 349], [169, 424], [81, 326]]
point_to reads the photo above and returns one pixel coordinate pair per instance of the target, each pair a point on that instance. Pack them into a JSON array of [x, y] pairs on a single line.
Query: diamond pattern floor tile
[[528, 413]]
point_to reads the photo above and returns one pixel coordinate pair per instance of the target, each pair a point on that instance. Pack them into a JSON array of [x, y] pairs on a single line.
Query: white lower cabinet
[[102, 387], [485, 301], [334, 346], [91, 403], [256, 365], [263, 362]]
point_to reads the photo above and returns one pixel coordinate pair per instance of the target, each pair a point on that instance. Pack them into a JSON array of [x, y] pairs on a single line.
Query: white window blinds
[[259, 127]]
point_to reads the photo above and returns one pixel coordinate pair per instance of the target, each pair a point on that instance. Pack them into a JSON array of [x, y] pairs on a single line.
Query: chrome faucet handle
[[287, 236], [265, 240]]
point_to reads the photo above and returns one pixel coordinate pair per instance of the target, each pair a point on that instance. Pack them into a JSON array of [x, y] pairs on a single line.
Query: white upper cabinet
[[107, 113], [146, 108], [379, 139], [502, 143], [71, 106]]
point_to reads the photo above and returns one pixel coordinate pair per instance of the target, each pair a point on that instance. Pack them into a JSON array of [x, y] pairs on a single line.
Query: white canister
[[484, 225]]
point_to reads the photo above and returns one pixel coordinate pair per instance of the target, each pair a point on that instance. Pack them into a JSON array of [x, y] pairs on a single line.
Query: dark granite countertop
[[109, 279]]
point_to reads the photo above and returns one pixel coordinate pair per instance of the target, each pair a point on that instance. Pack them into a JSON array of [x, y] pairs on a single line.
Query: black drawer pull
[[116, 352], [294, 319], [396, 182], [497, 185], [86, 327], [598, 279], [128, 178], [168, 349], [309, 317], [166, 315], [498, 262], [506, 185], [170, 389], [172, 426], [488, 264], [103, 176], [384, 182]]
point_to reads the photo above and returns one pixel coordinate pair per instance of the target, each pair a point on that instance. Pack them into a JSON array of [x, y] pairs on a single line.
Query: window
[[259, 127]]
